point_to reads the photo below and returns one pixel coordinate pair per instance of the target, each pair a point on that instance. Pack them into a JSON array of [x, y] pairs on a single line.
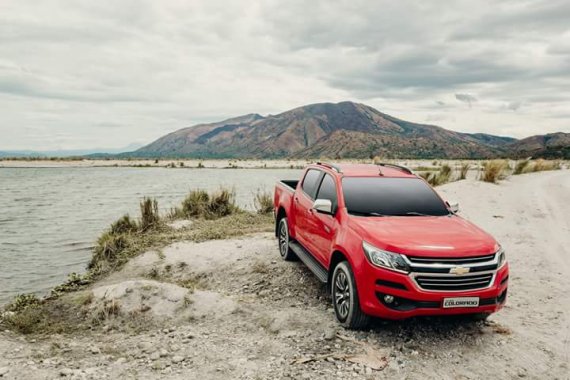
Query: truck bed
[[292, 184]]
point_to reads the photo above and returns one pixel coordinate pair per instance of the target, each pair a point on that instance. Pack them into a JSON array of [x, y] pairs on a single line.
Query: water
[[51, 217]]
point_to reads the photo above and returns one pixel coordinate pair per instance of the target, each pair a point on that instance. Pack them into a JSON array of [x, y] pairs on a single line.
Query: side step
[[311, 263]]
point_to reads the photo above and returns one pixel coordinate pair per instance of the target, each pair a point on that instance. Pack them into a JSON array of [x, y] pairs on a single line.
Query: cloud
[[109, 73], [466, 98]]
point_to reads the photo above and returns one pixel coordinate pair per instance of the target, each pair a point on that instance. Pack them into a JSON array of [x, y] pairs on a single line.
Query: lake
[[51, 217]]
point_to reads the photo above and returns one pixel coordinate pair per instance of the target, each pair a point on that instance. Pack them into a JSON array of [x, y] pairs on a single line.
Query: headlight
[[385, 259], [502, 258]]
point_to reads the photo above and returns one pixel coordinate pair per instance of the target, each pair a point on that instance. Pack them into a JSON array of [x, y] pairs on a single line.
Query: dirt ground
[[231, 309]]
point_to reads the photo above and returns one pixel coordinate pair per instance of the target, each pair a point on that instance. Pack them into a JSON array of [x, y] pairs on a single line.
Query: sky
[[84, 74]]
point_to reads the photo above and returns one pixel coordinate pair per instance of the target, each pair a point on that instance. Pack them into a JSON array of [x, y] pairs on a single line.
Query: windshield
[[381, 196]]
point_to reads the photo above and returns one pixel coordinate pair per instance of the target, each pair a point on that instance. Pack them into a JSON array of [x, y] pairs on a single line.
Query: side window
[[328, 190], [310, 182]]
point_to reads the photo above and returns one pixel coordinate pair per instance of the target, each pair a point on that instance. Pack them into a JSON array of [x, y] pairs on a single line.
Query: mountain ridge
[[338, 130]]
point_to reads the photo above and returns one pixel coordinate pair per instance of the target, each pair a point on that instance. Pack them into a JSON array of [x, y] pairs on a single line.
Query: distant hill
[[341, 130], [552, 145], [67, 153]]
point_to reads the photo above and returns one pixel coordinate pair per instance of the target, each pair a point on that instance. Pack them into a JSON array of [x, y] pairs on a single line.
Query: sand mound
[[163, 300]]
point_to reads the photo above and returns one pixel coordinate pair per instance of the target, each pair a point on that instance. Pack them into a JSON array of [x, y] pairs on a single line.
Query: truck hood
[[435, 236]]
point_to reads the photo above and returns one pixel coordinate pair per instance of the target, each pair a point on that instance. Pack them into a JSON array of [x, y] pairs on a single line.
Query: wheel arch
[[280, 215], [337, 257]]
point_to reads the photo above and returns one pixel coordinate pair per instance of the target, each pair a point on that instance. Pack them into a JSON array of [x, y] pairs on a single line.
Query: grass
[[201, 204], [263, 201], [494, 170], [531, 166], [443, 175], [464, 169]]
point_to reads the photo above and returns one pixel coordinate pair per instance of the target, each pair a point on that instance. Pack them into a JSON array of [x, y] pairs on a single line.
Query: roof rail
[[400, 167], [330, 166]]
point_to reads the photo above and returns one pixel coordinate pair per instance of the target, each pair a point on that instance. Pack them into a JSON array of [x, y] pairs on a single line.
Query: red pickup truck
[[387, 245]]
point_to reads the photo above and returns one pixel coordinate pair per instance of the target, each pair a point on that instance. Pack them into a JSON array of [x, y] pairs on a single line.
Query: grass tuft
[[494, 170], [464, 169], [263, 201], [149, 214]]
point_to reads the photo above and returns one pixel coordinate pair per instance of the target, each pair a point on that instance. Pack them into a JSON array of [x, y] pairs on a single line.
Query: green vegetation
[[263, 201], [464, 169], [438, 178], [494, 170], [201, 204], [530, 166]]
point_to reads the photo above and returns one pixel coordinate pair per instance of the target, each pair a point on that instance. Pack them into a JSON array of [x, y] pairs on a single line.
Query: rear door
[[322, 228], [304, 206]]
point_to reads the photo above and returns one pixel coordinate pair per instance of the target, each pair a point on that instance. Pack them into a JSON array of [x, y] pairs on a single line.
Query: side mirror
[[323, 205], [453, 206]]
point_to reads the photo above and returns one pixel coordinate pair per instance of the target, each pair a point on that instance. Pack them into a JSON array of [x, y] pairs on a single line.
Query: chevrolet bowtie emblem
[[459, 270]]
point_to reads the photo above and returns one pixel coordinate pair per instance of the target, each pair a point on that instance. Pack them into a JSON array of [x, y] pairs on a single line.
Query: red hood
[[424, 236]]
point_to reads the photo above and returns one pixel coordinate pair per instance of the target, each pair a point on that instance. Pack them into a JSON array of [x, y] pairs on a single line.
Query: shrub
[[438, 178], [195, 204], [263, 202], [22, 302], [494, 170], [200, 204], [149, 214], [222, 203], [107, 249], [124, 225], [465, 166], [542, 165], [521, 166]]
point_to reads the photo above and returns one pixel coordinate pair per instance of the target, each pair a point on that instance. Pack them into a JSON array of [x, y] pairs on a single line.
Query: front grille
[[451, 260], [451, 283]]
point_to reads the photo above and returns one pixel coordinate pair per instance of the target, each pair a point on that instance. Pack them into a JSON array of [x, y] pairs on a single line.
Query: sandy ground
[[253, 316], [193, 163]]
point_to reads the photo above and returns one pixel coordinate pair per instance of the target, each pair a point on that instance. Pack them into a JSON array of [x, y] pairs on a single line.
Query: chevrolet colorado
[[387, 245]]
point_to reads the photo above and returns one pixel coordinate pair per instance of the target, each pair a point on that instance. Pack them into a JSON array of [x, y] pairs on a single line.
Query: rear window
[[310, 182], [370, 196]]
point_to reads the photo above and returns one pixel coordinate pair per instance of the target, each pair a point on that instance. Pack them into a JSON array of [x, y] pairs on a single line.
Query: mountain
[[341, 130], [552, 145], [67, 153]]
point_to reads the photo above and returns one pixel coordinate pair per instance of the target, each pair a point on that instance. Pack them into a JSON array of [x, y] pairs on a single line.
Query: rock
[[121, 360], [3, 371], [155, 355], [145, 346], [177, 359], [330, 334], [163, 353], [95, 350], [65, 372]]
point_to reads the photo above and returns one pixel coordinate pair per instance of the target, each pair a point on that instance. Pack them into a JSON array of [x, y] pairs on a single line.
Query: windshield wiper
[[415, 213], [358, 213]]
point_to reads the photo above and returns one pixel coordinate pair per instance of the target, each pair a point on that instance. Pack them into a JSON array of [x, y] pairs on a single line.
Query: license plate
[[460, 302]]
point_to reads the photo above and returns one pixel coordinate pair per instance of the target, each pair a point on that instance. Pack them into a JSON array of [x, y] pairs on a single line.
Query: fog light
[[388, 298]]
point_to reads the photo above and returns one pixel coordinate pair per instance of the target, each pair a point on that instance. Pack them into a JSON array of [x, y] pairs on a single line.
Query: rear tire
[[345, 298], [283, 239]]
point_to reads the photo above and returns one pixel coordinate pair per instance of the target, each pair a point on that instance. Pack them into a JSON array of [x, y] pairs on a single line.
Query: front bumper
[[411, 300]]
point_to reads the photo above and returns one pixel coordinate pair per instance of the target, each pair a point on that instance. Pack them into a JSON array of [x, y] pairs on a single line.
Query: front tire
[[283, 238], [345, 299]]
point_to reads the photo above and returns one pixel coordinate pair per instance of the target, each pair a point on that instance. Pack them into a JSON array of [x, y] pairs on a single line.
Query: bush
[[200, 204], [521, 166], [149, 214], [465, 166], [124, 225], [263, 201], [543, 165], [22, 302], [195, 204], [108, 248], [438, 178], [494, 170]]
